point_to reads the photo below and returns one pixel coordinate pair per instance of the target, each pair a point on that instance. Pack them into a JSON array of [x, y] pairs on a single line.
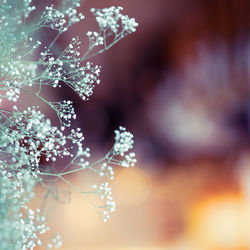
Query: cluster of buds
[[104, 192]]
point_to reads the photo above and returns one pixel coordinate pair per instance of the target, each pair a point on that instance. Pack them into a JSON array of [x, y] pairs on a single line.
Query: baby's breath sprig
[[118, 156], [29, 140], [65, 112], [113, 26]]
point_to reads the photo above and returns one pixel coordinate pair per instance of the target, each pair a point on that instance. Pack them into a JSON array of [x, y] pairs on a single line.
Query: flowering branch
[[27, 137]]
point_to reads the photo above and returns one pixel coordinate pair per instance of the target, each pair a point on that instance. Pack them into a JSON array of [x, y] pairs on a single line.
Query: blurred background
[[181, 85]]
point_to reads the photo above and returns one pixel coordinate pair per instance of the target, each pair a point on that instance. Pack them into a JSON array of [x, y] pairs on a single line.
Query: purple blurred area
[[180, 83]]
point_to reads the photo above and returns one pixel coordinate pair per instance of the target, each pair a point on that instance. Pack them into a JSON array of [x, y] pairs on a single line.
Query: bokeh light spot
[[131, 186]]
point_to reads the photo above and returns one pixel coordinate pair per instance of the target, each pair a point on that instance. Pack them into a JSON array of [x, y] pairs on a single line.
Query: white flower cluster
[[71, 53], [107, 170], [60, 20], [53, 19], [16, 74], [83, 79], [76, 136], [53, 70], [24, 225], [55, 242], [119, 155], [65, 112], [28, 8], [112, 19], [73, 17], [104, 192], [113, 26], [95, 39], [129, 160], [30, 136], [123, 141]]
